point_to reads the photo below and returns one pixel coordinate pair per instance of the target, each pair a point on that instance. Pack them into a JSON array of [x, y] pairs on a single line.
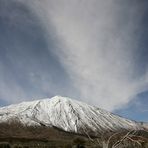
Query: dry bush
[[79, 140], [132, 139]]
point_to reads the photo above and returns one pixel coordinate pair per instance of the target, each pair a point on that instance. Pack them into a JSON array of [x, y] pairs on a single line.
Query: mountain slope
[[66, 114]]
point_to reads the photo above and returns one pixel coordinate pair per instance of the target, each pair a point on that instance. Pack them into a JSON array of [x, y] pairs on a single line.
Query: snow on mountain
[[66, 114]]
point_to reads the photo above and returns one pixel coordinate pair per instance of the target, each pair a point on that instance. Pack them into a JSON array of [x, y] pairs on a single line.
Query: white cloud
[[97, 45], [97, 49]]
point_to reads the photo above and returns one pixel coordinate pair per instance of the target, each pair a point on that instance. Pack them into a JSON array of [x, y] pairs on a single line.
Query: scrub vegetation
[[13, 134]]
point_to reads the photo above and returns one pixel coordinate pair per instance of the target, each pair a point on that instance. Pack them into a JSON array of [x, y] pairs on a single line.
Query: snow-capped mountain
[[66, 114]]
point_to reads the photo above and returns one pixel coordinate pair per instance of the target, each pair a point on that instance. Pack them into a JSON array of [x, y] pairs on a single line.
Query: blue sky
[[137, 109], [92, 51]]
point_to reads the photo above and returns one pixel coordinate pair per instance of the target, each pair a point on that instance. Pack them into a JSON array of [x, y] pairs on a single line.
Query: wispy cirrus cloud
[[99, 47], [97, 44]]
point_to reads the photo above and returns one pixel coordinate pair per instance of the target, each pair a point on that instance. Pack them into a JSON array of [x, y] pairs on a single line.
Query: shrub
[[79, 140]]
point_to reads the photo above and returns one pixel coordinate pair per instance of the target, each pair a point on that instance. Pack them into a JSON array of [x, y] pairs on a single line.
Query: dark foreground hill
[[14, 134]]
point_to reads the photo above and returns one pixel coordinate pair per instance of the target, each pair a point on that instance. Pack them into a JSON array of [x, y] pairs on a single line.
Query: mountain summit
[[66, 114]]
